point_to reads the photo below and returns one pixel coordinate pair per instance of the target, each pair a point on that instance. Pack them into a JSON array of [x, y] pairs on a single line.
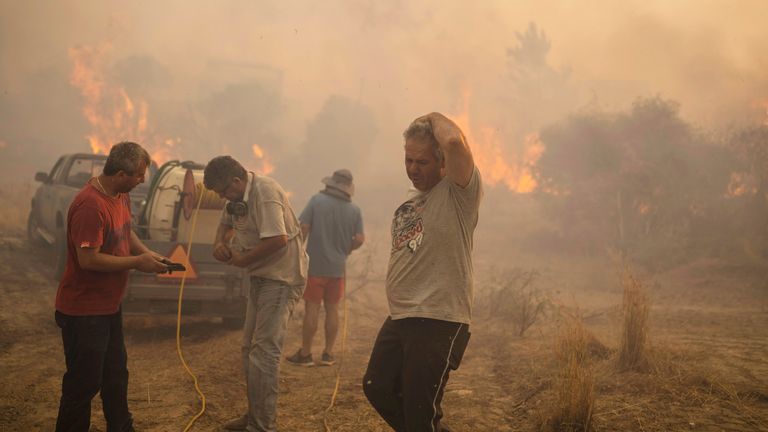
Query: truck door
[[45, 200]]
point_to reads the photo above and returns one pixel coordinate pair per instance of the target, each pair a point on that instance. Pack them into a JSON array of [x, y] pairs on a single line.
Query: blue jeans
[[96, 359], [270, 304]]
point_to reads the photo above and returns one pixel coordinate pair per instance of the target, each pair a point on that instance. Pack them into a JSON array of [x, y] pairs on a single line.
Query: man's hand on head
[[459, 163], [443, 128]]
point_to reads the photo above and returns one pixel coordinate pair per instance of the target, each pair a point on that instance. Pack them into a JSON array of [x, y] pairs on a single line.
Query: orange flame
[[112, 114], [164, 150], [261, 157], [741, 184], [489, 155]]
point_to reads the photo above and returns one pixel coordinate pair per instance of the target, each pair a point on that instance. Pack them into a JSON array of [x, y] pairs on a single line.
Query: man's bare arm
[[264, 248], [92, 259], [221, 233], [459, 163], [305, 228], [357, 241], [138, 248], [220, 249]]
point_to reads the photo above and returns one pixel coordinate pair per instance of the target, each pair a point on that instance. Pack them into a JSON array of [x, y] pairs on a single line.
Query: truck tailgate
[[207, 279]]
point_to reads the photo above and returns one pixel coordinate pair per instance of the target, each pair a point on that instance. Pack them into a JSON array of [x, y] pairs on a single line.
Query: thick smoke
[[316, 87]]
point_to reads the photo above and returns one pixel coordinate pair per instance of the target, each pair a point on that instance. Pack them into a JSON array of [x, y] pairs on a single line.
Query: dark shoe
[[326, 360], [237, 424], [300, 360]]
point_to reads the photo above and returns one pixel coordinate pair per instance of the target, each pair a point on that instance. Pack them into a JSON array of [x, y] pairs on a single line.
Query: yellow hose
[[338, 370], [178, 316]]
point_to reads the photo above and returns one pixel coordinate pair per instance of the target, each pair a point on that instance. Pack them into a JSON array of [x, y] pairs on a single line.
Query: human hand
[[443, 128], [148, 263], [221, 252], [237, 259], [159, 257]]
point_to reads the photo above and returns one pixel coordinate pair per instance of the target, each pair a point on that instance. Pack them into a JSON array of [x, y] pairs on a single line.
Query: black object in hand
[[172, 267]]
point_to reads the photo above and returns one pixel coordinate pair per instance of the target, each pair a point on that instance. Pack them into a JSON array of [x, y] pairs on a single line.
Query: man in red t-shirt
[[102, 248]]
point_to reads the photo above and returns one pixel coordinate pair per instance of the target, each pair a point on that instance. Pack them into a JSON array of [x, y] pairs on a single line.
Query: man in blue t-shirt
[[335, 228]]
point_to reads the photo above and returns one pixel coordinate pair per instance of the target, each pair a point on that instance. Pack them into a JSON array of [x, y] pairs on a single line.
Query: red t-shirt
[[104, 223]]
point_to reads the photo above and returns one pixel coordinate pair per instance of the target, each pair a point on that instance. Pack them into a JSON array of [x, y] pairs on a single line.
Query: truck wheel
[[32, 234], [61, 253]]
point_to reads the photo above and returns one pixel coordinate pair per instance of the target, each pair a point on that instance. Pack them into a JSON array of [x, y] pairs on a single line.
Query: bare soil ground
[[708, 337]]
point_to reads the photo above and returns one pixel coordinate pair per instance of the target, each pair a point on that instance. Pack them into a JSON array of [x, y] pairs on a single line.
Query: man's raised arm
[[459, 163]]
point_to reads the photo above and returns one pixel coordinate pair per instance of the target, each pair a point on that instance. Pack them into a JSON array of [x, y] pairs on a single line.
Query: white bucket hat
[[341, 180]]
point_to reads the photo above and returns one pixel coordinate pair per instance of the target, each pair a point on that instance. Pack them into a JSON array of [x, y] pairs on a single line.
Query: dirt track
[[710, 375]]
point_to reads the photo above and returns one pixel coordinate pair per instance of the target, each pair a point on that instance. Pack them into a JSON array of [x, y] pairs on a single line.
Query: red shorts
[[324, 289]]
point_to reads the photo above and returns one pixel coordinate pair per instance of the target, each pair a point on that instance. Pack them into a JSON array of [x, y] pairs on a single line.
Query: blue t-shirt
[[333, 223]]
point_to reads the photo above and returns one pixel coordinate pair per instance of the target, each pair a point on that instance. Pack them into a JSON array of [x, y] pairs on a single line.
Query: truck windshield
[[82, 170]]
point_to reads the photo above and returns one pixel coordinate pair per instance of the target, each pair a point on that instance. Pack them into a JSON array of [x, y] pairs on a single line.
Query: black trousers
[[409, 368], [94, 350]]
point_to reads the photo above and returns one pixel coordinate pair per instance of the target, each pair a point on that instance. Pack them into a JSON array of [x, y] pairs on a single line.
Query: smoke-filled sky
[[321, 85]]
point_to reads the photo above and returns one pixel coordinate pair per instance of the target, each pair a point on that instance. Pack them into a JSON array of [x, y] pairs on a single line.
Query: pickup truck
[[164, 209]]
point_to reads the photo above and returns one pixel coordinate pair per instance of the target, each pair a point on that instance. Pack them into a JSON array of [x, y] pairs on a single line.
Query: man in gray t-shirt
[[267, 242], [429, 279], [334, 226]]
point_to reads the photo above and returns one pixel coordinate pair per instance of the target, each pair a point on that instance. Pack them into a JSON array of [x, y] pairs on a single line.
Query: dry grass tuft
[[575, 388], [632, 349]]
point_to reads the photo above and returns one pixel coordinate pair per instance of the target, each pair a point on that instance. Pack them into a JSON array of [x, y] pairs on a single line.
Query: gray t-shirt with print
[[430, 265], [333, 223], [269, 214]]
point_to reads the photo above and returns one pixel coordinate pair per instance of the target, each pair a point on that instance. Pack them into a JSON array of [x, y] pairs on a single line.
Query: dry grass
[[632, 348], [575, 388], [513, 296]]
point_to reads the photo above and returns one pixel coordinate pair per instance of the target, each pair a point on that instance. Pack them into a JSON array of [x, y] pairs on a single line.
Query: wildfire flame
[[265, 166], [112, 114], [741, 184], [490, 158]]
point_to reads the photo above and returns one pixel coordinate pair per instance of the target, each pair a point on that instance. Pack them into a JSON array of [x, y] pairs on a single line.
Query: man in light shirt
[[268, 243], [429, 279]]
